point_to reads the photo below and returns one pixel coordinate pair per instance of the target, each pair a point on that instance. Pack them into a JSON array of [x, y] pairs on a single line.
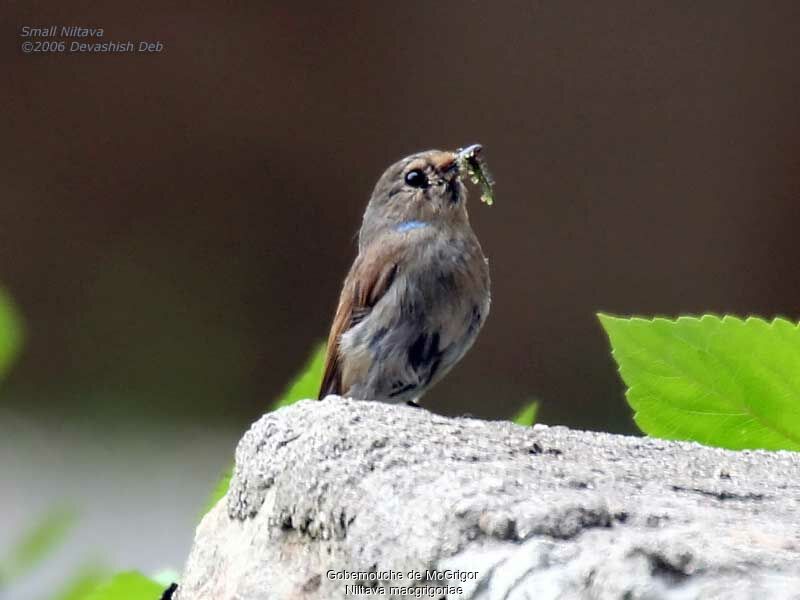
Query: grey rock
[[344, 499]]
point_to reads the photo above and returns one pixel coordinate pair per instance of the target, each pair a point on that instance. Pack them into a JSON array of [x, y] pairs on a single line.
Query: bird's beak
[[453, 161], [468, 152]]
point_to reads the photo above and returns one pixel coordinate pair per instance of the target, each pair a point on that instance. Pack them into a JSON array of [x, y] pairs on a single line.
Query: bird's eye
[[416, 178]]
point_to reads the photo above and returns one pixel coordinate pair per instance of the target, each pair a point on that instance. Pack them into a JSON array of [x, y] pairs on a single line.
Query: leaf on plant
[[130, 585], [527, 416], [10, 332], [165, 577], [719, 381], [304, 386], [37, 543], [81, 584], [219, 490]]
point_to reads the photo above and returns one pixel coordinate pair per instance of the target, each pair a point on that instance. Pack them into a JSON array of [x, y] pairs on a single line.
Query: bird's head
[[423, 189]]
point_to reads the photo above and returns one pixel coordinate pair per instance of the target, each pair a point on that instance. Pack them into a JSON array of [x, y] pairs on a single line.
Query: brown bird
[[418, 291]]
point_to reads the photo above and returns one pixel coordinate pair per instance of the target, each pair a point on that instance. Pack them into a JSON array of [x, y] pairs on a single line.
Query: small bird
[[417, 293]]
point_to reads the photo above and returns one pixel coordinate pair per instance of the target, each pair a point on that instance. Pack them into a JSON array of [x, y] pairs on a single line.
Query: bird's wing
[[370, 277]]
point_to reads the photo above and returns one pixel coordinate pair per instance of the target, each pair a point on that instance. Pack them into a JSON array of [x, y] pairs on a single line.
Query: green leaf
[[81, 584], [165, 577], [527, 416], [10, 332], [37, 543], [305, 385], [130, 585], [220, 489], [719, 381]]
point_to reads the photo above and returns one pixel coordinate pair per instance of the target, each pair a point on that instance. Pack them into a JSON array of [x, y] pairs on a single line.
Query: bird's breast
[[446, 286]]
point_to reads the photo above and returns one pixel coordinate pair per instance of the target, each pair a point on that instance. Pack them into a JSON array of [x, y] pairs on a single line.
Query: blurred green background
[[176, 226]]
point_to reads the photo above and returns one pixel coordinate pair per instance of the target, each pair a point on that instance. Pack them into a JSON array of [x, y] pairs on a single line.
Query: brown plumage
[[418, 291], [369, 278]]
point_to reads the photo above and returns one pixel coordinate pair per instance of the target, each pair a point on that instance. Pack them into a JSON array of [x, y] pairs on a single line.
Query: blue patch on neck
[[409, 225]]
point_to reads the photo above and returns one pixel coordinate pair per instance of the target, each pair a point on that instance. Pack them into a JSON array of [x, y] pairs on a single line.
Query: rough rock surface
[[490, 510]]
